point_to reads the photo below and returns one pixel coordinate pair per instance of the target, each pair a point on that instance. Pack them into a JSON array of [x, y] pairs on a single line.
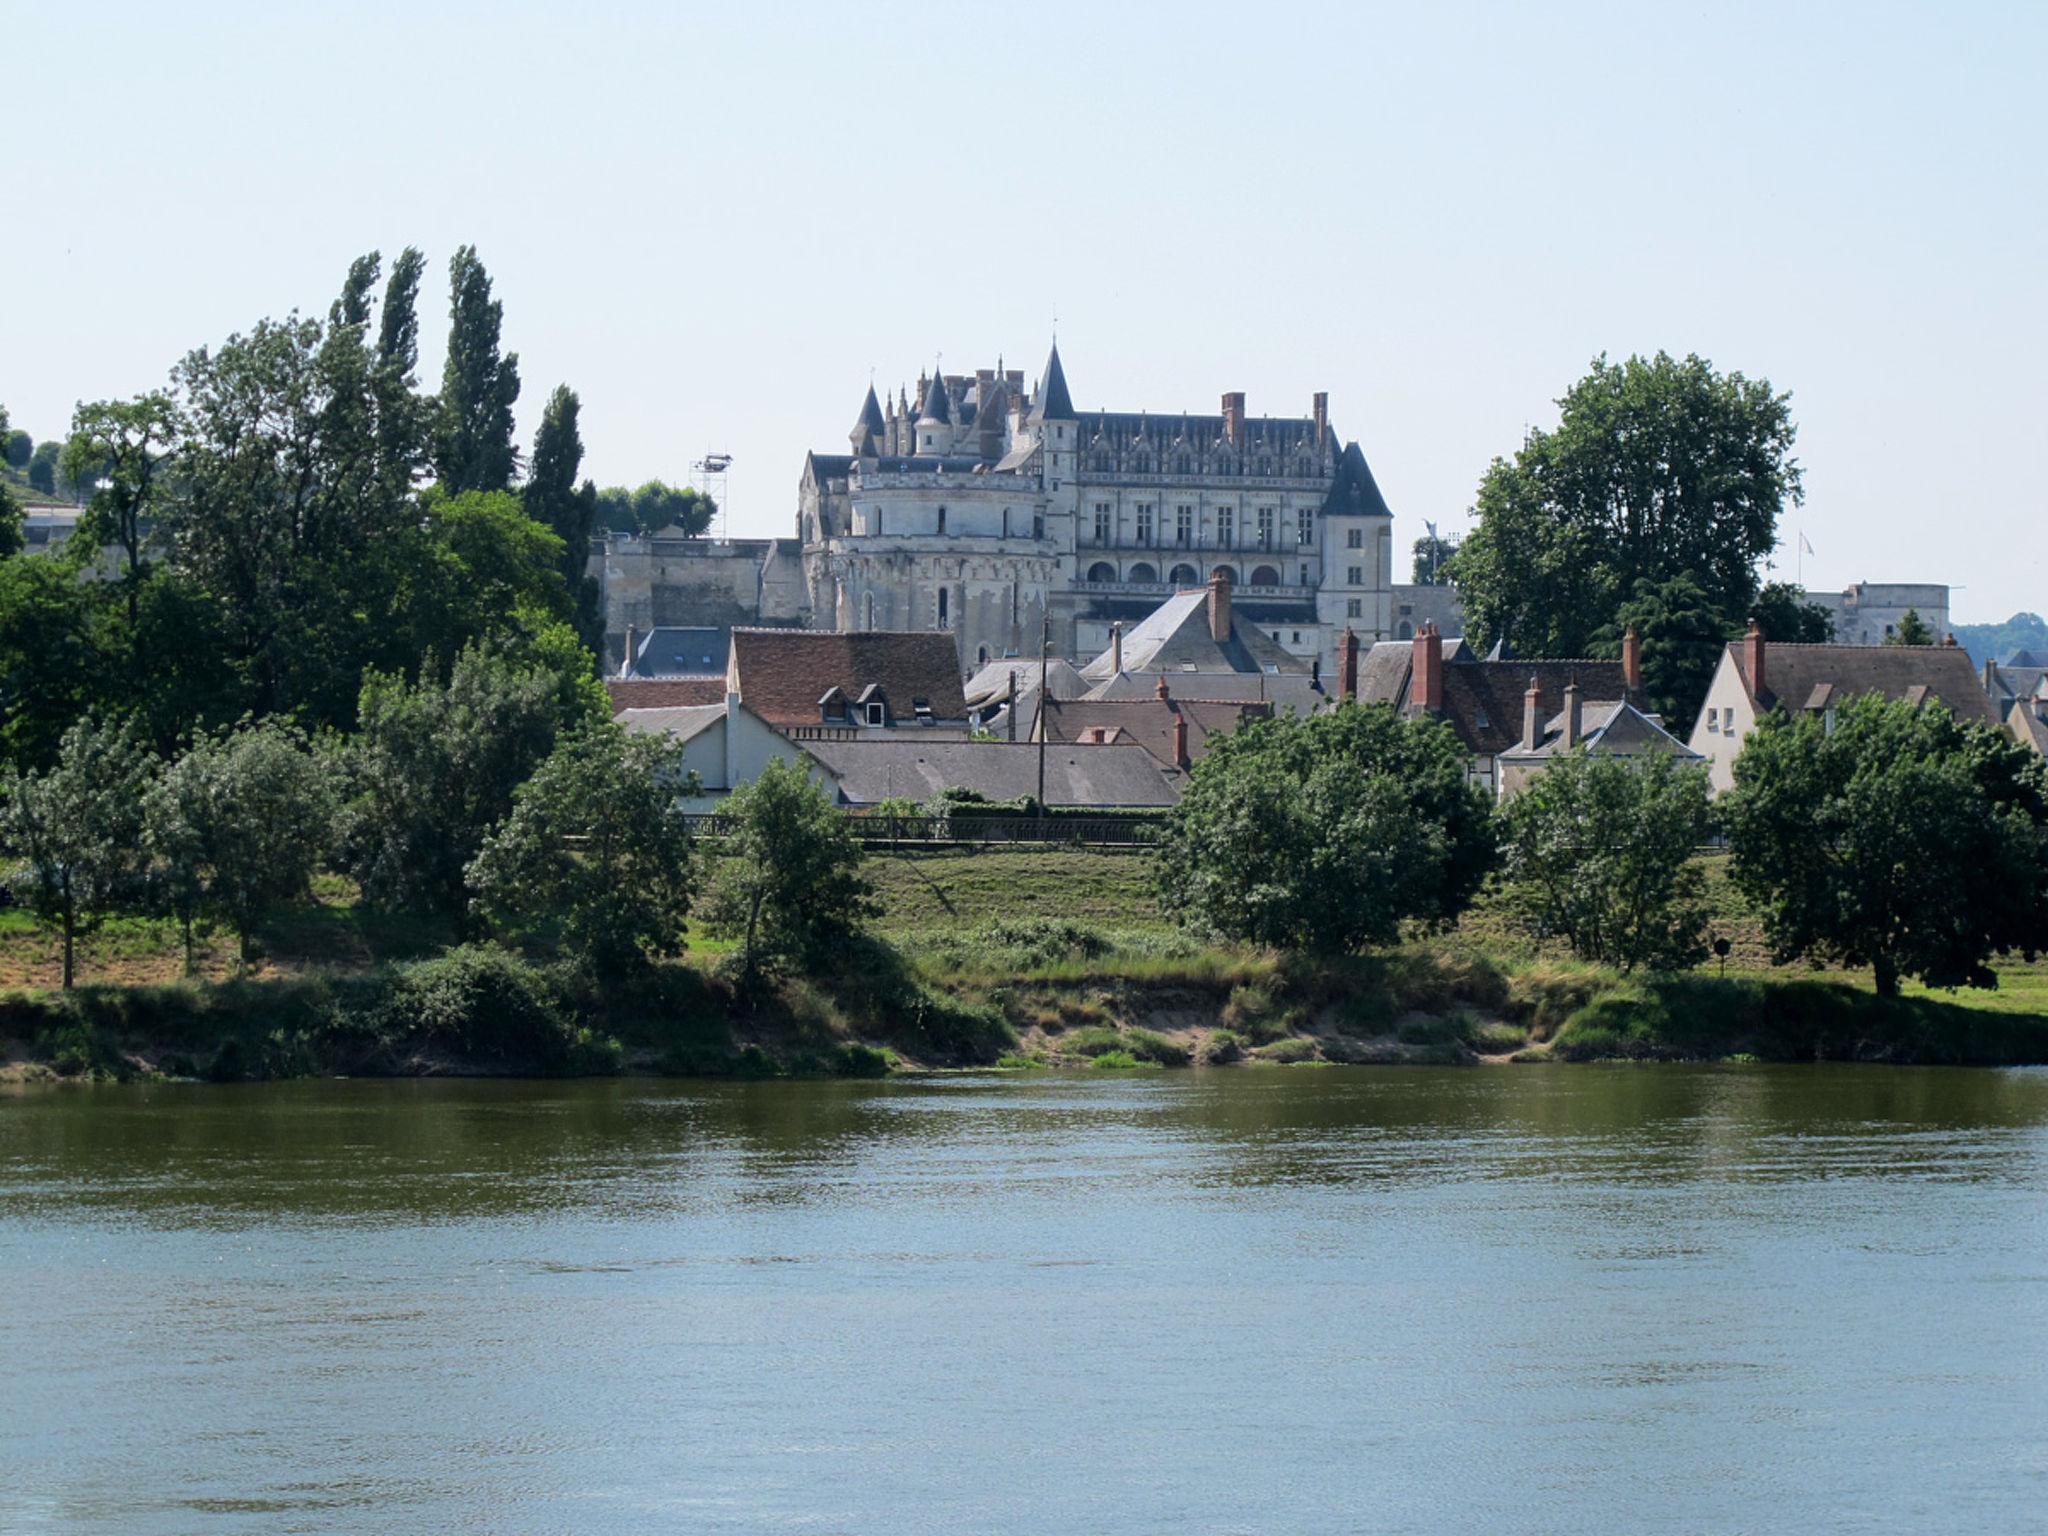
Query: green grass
[[964, 888]]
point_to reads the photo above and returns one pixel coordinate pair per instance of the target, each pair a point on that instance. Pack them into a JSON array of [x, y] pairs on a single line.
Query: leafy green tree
[[51, 661], [655, 506], [1785, 616], [404, 418], [237, 826], [1432, 559], [135, 441], [1912, 630], [1598, 851], [478, 385], [555, 500], [597, 844], [478, 569], [1682, 637], [789, 887], [20, 446], [1898, 839], [1658, 467], [76, 829], [1326, 833], [432, 769], [42, 467]]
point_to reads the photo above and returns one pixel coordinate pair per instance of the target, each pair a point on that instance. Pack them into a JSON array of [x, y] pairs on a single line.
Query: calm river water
[[1604, 1300]]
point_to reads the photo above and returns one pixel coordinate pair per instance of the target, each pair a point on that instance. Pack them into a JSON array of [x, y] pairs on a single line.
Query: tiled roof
[[992, 682], [1108, 777], [1053, 403], [1354, 492], [1304, 695], [1175, 638], [2029, 726], [663, 692], [1792, 673], [782, 673], [1614, 726], [1483, 699], [1148, 722], [678, 651], [684, 722]]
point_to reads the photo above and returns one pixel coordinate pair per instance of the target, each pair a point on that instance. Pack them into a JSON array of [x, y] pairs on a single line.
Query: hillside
[[1995, 642]]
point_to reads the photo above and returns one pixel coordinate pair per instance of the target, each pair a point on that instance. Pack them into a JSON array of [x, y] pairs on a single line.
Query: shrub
[[1289, 1052], [864, 1061], [1120, 1061], [1221, 1048], [1495, 1037], [1431, 1031], [486, 999], [1045, 939], [1152, 1046], [1092, 1041]]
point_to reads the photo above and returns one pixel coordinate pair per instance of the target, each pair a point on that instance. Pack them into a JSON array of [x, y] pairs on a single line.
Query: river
[[1572, 1299]]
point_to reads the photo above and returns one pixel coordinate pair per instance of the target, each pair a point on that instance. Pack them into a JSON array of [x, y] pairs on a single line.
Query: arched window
[[868, 611], [1185, 576], [1102, 570], [981, 656], [1142, 571], [1265, 576], [945, 606], [1227, 572], [942, 519], [1405, 632]]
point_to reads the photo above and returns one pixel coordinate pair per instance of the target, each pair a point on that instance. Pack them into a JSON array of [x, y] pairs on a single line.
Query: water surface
[[1550, 1299]]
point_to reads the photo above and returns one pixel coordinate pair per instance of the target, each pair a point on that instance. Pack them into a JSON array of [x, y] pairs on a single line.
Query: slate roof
[[2010, 680], [870, 419], [937, 404], [663, 692], [2029, 726], [992, 682], [1483, 699], [1303, 695], [2024, 658], [1175, 638], [1613, 726], [683, 651], [1354, 492], [684, 722], [1053, 403], [782, 673], [1148, 722], [874, 769], [1796, 675]]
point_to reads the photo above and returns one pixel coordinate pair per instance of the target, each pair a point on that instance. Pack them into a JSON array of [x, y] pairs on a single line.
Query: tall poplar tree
[[478, 385], [554, 499]]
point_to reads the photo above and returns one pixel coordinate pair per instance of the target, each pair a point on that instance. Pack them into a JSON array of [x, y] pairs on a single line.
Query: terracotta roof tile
[[1795, 674], [663, 692], [782, 673]]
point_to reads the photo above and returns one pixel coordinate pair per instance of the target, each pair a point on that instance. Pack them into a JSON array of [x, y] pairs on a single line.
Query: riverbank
[[1017, 960]]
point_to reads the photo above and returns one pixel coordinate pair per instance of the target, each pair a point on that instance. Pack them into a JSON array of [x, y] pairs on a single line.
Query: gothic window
[[1102, 570], [1183, 465], [1304, 526], [1183, 525], [945, 607], [868, 611], [1407, 630], [1226, 526], [1102, 463], [1265, 527], [1354, 608], [981, 656], [1038, 525], [942, 519], [1144, 522], [1306, 578], [1265, 466], [1303, 470], [1102, 522], [1227, 572]]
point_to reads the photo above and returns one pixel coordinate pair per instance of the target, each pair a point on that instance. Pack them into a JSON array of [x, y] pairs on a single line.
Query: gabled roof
[[1613, 727], [1053, 402], [1354, 492], [912, 767], [2012, 680], [1148, 722], [1302, 694], [663, 692], [683, 722], [2025, 658], [992, 682], [1175, 638], [781, 673], [678, 651], [1792, 673], [2029, 725], [1483, 699]]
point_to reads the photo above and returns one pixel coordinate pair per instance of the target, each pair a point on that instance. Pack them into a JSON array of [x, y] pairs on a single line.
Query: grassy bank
[[1014, 959]]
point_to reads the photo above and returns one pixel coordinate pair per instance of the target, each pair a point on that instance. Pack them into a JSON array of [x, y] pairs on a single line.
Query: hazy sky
[[715, 221]]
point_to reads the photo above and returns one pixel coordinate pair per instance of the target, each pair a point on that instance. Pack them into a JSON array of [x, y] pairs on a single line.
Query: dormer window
[[922, 708], [878, 714]]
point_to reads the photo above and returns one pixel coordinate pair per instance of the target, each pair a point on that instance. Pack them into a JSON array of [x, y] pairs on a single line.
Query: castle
[[989, 511]]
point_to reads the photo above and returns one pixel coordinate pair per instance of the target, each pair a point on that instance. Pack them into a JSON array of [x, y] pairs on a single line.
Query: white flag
[[1804, 545]]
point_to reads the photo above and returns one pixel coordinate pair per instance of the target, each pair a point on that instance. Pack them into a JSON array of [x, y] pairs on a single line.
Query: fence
[[1090, 831]]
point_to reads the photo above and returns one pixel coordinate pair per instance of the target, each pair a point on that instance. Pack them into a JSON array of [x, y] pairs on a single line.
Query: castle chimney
[[1753, 659], [1426, 684], [1219, 608], [1159, 689], [1116, 648], [1347, 664], [1632, 661], [1233, 417], [1322, 415], [1180, 740], [1532, 716], [1571, 715], [632, 646]]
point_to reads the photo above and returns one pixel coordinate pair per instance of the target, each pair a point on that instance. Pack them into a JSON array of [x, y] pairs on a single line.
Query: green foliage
[[1682, 637], [42, 467], [1899, 839], [473, 447], [1912, 630], [1599, 852], [432, 769], [1432, 560], [51, 667], [483, 1000], [131, 442], [1326, 833], [1120, 1061], [1657, 467], [76, 830], [654, 508], [554, 500], [19, 448], [1783, 613], [1996, 642], [622, 891], [238, 824], [790, 888]]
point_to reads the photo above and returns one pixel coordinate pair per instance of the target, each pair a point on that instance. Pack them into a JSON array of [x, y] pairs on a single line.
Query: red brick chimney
[[1180, 740], [1233, 417], [1753, 659], [1322, 415], [1426, 670], [1571, 715], [1632, 661], [1159, 692], [1532, 716], [1219, 608], [1347, 664]]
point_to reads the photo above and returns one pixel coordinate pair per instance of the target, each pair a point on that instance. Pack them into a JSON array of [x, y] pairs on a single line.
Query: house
[[1176, 731], [809, 683], [670, 650], [1195, 631], [725, 744], [1755, 677], [1485, 701], [1610, 728], [2027, 717], [663, 692], [872, 769], [1003, 696], [2018, 677]]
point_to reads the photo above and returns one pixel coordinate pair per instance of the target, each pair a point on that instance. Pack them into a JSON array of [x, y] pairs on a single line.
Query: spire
[[938, 405], [1354, 492], [1054, 403], [869, 426]]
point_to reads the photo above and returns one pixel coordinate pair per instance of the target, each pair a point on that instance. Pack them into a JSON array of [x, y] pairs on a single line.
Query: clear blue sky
[[715, 221]]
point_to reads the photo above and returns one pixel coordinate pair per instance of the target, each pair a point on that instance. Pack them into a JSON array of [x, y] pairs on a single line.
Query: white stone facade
[[1868, 612]]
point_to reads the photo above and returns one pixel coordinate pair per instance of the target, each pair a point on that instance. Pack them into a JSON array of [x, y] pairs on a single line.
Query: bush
[[1042, 940], [1152, 1046], [1120, 1061], [1289, 1053], [1093, 1041], [1222, 1048], [483, 998], [864, 1061]]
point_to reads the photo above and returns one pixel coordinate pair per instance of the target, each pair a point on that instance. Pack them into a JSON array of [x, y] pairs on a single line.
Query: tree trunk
[[70, 930], [1887, 976], [185, 927]]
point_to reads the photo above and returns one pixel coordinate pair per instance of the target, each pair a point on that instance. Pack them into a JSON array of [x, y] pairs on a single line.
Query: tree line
[[1899, 839]]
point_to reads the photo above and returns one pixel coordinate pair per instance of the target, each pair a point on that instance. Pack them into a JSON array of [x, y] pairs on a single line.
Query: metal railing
[[885, 831]]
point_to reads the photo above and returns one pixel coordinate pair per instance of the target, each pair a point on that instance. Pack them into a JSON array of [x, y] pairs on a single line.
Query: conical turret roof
[[1054, 403], [938, 405], [1354, 493]]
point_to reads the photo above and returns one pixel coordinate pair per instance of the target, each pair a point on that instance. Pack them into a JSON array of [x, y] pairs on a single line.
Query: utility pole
[[1044, 653]]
